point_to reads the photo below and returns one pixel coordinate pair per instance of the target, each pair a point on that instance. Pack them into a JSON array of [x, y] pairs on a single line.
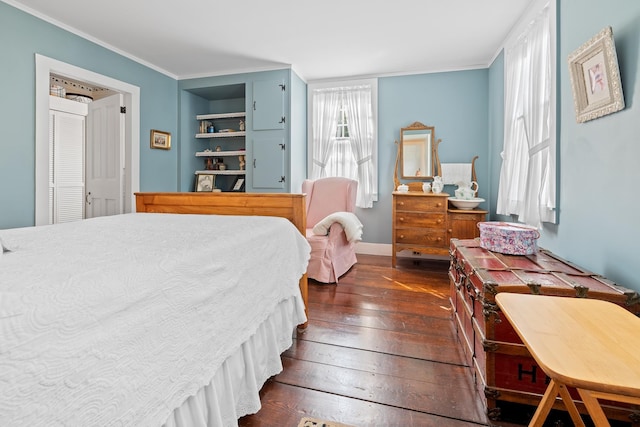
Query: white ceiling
[[319, 39]]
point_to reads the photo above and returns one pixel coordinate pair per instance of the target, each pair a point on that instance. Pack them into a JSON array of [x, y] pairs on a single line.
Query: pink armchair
[[332, 227]]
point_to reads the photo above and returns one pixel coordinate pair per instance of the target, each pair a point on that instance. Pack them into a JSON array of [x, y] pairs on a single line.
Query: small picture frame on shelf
[[238, 185], [160, 139], [205, 182]]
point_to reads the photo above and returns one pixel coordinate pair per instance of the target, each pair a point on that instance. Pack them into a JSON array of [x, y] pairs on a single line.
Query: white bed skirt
[[234, 390]]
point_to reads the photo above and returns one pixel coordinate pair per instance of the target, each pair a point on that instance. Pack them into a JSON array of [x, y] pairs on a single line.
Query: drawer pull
[[439, 204], [401, 219], [402, 236], [401, 203], [438, 221]]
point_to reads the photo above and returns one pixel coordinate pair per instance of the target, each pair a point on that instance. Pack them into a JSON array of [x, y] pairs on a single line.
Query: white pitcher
[[438, 185], [466, 190]]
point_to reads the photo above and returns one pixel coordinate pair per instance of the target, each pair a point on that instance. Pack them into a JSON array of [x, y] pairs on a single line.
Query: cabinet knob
[[450, 231], [439, 204], [401, 219], [439, 239], [438, 221], [401, 203], [402, 236]]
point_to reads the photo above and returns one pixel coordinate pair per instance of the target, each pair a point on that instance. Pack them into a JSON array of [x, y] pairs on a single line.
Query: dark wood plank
[[436, 373], [437, 348], [408, 393], [391, 321], [383, 303], [286, 405]]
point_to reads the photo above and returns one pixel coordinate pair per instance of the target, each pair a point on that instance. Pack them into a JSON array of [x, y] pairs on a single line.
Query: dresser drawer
[[421, 236], [420, 219], [421, 204]]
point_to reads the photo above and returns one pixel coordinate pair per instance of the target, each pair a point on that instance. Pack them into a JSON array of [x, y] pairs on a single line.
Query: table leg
[[570, 405], [545, 405], [593, 408]]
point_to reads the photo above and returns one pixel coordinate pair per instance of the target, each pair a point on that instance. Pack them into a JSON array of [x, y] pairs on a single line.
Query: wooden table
[[588, 344]]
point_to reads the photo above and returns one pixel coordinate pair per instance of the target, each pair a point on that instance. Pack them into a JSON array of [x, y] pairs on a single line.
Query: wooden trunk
[[504, 369]]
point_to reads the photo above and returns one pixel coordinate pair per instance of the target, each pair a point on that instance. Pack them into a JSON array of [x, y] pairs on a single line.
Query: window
[[527, 185], [342, 134]]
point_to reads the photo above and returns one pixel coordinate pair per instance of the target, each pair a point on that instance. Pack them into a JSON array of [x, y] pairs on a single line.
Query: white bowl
[[466, 204]]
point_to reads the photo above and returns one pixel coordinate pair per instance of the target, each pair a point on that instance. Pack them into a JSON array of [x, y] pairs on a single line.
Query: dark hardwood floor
[[380, 350]]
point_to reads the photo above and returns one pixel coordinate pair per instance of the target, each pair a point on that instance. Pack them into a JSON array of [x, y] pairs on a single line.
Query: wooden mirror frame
[[435, 159]]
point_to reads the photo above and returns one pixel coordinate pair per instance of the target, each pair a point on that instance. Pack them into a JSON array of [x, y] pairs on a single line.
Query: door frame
[[131, 94]]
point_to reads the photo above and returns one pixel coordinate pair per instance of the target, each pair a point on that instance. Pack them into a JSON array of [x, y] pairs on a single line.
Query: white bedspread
[[118, 320]]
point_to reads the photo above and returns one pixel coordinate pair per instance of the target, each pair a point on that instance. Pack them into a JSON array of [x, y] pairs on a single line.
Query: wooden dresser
[[423, 222]]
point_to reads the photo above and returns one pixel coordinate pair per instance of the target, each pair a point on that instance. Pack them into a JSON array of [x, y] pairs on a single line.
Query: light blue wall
[[21, 37], [455, 103], [598, 160], [496, 131], [298, 132]]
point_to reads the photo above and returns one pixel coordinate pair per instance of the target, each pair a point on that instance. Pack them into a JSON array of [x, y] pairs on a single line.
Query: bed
[[175, 315]]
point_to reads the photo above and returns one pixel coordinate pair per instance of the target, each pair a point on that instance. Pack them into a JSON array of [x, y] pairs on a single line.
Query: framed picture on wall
[[160, 139], [595, 78]]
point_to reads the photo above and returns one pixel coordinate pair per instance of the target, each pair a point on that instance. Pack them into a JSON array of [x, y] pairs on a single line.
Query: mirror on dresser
[[417, 158]]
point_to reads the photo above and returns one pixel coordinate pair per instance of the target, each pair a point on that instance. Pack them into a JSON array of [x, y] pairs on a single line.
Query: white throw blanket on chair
[[349, 221]]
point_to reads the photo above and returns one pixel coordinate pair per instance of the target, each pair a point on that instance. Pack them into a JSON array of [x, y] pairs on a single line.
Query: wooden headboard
[[290, 206]]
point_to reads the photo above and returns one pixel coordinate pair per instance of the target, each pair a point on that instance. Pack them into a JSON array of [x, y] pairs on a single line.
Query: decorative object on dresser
[[504, 371]]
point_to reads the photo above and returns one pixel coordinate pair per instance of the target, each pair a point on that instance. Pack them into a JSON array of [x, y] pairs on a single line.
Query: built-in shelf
[[221, 134], [220, 153], [224, 172], [219, 116]]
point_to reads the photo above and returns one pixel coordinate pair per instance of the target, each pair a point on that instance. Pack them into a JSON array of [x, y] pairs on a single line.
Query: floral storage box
[[508, 238]]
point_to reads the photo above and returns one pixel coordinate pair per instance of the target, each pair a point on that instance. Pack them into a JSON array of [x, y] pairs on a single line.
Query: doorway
[[131, 96]]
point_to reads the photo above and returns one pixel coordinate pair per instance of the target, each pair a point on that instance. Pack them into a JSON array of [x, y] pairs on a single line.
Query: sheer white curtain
[[353, 156], [528, 177], [361, 136], [323, 130]]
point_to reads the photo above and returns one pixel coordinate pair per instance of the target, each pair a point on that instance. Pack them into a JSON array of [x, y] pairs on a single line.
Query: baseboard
[[381, 249], [385, 249]]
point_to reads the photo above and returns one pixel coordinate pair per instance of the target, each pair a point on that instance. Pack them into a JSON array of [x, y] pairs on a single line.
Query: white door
[[105, 158], [66, 166]]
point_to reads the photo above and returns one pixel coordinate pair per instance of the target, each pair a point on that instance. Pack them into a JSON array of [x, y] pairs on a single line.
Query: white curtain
[[361, 133], [353, 158], [528, 178], [325, 114]]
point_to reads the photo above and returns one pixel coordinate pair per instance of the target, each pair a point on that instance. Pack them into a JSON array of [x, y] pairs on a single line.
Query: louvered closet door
[[66, 166]]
